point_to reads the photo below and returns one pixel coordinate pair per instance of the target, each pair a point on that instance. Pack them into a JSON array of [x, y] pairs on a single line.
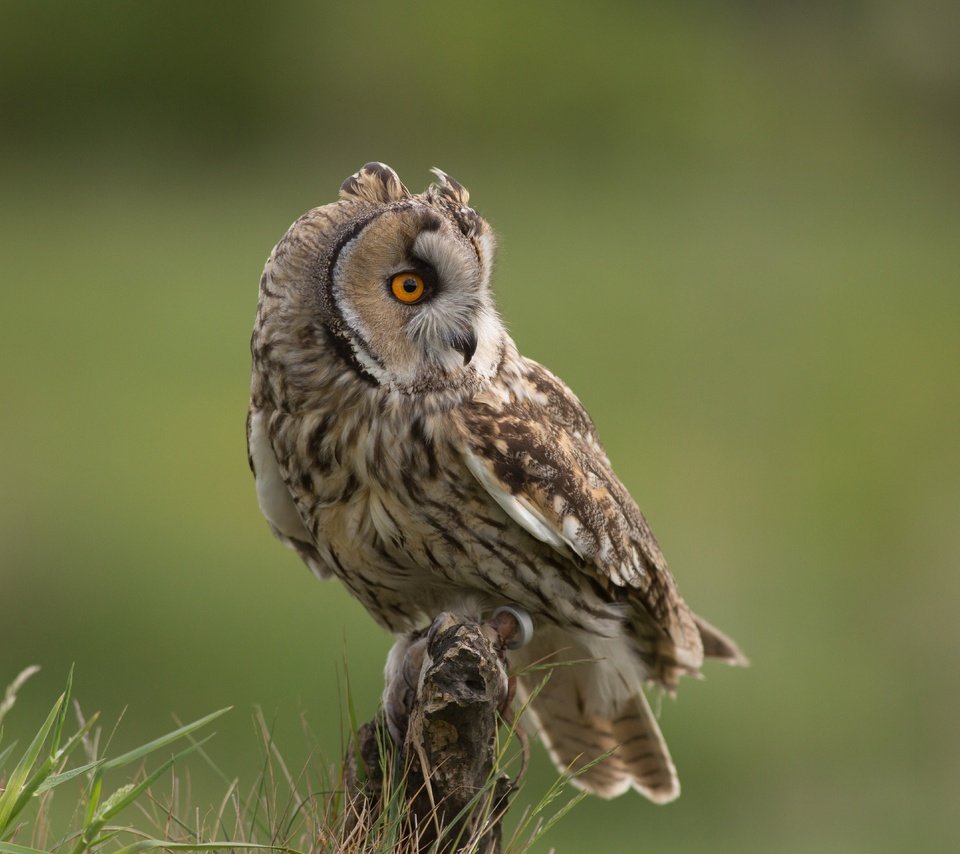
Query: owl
[[402, 444]]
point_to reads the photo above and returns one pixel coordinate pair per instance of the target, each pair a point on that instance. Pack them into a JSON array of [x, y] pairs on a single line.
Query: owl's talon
[[506, 704], [514, 625]]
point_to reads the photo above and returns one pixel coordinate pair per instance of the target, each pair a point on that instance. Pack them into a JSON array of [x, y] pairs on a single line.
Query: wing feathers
[[718, 645], [536, 453], [517, 506]]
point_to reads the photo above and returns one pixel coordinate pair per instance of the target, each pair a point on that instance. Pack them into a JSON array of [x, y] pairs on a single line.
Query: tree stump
[[434, 741]]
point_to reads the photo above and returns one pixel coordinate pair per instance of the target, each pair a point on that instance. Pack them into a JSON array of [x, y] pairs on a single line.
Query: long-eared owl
[[402, 444]]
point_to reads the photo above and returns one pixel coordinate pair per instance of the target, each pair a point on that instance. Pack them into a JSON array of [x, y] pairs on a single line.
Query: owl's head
[[395, 285]]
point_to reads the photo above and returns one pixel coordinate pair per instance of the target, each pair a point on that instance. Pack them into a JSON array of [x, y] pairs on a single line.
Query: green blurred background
[[733, 228]]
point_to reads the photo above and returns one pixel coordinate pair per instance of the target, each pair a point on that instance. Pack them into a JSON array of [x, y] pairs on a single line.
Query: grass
[[300, 810]]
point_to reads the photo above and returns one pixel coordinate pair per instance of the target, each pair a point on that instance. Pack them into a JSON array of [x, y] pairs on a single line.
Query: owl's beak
[[465, 343]]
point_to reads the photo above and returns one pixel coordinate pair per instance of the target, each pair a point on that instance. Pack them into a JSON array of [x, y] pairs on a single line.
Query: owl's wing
[[276, 502], [536, 451]]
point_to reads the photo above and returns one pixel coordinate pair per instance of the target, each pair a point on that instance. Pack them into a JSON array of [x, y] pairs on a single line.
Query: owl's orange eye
[[407, 287]]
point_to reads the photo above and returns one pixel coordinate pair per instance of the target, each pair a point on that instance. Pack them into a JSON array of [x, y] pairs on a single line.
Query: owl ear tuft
[[449, 187], [375, 182]]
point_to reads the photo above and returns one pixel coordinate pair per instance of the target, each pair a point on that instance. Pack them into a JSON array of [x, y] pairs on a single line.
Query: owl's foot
[[508, 717], [514, 626]]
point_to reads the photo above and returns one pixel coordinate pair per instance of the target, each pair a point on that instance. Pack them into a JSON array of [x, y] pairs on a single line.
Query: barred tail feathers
[[605, 735]]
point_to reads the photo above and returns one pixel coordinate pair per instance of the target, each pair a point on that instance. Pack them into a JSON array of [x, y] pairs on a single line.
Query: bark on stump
[[438, 727]]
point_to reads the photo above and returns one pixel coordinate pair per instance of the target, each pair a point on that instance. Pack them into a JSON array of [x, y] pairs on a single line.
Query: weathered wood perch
[[435, 737]]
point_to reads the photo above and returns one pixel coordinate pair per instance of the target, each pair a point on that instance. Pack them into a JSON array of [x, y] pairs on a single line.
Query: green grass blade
[[21, 773], [26, 792], [266, 733], [106, 837], [149, 844], [560, 813], [62, 717], [55, 780], [361, 768], [94, 800], [10, 848], [44, 780], [146, 749]]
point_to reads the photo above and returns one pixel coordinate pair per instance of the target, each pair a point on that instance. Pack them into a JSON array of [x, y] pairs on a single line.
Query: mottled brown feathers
[[541, 445]]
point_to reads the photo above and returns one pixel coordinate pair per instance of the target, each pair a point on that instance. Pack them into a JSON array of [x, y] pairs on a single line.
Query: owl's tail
[[609, 751]]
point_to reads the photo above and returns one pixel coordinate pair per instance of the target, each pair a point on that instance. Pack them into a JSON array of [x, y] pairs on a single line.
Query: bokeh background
[[733, 228]]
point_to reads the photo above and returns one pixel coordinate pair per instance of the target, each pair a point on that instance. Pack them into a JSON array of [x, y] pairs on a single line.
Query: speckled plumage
[[413, 453]]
